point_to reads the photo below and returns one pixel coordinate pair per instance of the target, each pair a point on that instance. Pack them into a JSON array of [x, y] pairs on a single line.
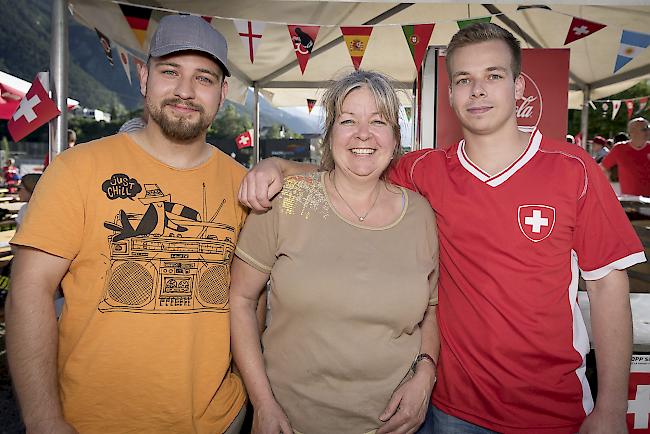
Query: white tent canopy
[[276, 69]]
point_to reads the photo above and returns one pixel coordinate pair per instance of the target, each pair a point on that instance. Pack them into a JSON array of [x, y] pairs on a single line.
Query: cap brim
[[170, 49]]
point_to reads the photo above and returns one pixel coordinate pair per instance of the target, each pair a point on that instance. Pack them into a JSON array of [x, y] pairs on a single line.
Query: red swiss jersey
[[513, 341], [633, 167]]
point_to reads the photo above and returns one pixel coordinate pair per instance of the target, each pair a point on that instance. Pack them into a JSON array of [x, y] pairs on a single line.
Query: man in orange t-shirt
[[139, 229], [633, 160]]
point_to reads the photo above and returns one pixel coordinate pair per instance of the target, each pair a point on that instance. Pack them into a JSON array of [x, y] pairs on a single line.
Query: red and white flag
[[124, 60], [310, 104], [244, 140], [35, 109], [580, 28], [638, 397], [250, 33], [629, 103], [616, 105], [642, 103], [303, 39]]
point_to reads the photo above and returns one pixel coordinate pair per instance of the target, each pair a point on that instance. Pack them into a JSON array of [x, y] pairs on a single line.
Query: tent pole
[[256, 123], [584, 117], [59, 77]]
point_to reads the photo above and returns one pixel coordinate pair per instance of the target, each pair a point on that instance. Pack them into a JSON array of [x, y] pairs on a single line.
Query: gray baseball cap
[[188, 32]]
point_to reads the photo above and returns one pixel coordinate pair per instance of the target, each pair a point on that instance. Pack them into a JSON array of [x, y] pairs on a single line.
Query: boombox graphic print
[[168, 259]]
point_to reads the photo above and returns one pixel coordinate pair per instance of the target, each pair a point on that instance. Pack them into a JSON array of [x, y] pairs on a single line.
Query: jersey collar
[[505, 174]]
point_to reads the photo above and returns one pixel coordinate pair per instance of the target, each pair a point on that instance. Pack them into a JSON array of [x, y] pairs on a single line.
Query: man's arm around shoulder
[[32, 338], [265, 181], [611, 325]]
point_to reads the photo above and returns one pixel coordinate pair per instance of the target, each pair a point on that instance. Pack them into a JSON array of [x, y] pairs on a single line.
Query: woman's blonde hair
[[385, 98]]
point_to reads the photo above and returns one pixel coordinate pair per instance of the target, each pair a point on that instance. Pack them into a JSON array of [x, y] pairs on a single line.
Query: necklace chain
[[360, 217]]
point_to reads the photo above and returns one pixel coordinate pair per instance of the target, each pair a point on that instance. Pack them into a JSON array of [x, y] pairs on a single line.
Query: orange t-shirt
[[144, 337]]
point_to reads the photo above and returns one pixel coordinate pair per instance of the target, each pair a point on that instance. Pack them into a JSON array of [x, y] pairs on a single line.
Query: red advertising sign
[[544, 103], [638, 398]]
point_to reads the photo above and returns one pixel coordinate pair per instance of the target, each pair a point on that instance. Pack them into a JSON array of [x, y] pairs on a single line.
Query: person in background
[[352, 340], [513, 242], [570, 139], [25, 190], [621, 136], [139, 229], [599, 148], [632, 157], [11, 175]]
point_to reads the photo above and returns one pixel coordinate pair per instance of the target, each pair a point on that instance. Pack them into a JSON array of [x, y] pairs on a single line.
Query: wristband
[[419, 358]]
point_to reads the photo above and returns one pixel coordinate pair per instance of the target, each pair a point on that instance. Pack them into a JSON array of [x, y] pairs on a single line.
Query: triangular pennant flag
[[310, 104], [605, 106], [251, 35], [592, 105], [466, 23], [632, 43], [642, 103], [106, 46], [417, 37], [138, 19], [356, 39], [139, 64], [616, 105], [580, 28], [35, 109], [521, 8], [409, 112], [303, 39], [124, 60], [629, 103], [207, 19]]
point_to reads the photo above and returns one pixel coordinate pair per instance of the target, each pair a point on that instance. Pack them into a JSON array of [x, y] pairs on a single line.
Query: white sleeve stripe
[[621, 264]]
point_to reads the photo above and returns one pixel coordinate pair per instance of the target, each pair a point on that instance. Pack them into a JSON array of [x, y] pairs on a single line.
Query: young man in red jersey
[[519, 217]]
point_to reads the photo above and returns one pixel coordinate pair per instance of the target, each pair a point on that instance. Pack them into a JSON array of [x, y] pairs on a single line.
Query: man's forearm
[[289, 168], [31, 352], [32, 335], [611, 321]]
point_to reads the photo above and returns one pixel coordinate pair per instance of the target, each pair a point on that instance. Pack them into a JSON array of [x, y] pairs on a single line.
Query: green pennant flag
[[466, 23], [417, 37]]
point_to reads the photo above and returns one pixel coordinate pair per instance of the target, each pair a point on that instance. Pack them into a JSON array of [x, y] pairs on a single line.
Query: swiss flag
[[245, 139], [580, 28], [35, 109], [638, 404]]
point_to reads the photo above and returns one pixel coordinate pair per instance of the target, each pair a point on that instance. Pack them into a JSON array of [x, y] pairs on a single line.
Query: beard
[[179, 128]]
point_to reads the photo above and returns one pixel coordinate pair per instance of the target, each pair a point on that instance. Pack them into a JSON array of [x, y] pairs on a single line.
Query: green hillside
[[25, 46]]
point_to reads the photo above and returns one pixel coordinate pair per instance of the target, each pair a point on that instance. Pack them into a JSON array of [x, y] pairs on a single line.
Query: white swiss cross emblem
[[536, 221]]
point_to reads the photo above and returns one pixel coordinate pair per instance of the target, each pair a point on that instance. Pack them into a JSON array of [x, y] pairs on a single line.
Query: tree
[[229, 123], [4, 144]]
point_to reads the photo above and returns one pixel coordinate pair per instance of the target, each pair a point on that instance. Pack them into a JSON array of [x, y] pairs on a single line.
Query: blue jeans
[[438, 422]]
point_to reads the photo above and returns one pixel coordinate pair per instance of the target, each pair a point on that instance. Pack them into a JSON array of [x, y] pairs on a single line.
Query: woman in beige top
[[352, 339]]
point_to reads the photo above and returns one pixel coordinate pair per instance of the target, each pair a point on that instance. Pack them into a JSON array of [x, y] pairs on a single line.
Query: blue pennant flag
[[632, 43]]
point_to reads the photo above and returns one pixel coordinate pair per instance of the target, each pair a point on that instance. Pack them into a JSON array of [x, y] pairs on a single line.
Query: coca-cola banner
[[544, 104]]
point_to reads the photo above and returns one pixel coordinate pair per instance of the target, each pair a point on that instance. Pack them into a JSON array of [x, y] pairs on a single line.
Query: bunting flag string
[[138, 19], [106, 46], [310, 104], [250, 33], [418, 37], [303, 39], [643, 102], [356, 40], [124, 60], [581, 28]]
